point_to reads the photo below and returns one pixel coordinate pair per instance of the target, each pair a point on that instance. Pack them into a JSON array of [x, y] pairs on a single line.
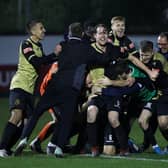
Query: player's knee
[[140, 121], [114, 122], [16, 116], [113, 118], [163, 124], [143, 123], [92, 114]]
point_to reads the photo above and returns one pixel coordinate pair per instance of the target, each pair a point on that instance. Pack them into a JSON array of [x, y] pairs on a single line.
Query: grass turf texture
[[31, 160]]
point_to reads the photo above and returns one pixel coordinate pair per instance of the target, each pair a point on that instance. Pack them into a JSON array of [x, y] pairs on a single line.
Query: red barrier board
[[6, 74]]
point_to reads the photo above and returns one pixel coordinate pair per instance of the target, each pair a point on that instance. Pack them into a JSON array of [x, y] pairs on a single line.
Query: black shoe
[[143, 147], [124, 152], [9, 152], [68, 148], [133, 148], [95, 151], [35, 146], [22, 145], [50, 150]]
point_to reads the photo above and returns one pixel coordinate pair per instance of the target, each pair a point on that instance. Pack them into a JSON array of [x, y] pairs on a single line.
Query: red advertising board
[[6, 74]]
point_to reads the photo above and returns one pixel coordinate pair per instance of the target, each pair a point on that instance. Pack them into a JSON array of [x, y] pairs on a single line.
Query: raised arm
[[151, 73]]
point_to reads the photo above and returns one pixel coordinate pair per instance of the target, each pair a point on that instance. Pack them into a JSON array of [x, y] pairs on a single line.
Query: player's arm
[[152, 74], [119, 91], [27, 50], [120, 83]]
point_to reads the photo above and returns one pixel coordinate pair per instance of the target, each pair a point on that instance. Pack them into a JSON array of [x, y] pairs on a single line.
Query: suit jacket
[[74, 62]]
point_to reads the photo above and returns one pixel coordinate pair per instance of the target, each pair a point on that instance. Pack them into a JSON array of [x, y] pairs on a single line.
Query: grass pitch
[[32, 160]]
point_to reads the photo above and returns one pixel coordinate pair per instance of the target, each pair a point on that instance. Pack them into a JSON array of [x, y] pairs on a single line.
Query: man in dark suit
[[64, 89]]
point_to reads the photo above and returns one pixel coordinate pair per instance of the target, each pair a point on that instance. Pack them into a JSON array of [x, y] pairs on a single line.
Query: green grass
[[35, 161], [31, 160]]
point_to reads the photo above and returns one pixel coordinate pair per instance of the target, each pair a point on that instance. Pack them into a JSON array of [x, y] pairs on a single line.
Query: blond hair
[[117, 18]]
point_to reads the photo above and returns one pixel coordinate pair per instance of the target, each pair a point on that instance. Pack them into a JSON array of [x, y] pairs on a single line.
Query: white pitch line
[[116, 157], [132, 158], [127, 158]]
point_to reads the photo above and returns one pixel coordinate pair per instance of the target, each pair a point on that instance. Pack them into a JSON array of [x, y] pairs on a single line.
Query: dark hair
[[117, 68], [89, 27], [30, 24], [75, 30], [88, 23], [100, 25], [146, 45]]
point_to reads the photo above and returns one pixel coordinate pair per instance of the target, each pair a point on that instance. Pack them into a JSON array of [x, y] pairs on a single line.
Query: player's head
[[101, 34], [36, 29], [118, 25], [146, 51], [75, 30], [162, 42], [89, 28], [119, 70]]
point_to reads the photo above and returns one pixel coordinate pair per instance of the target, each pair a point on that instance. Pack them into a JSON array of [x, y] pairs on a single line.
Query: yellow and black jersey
[[164, 54], [96, 73], [162, 59], [31, 57], [113, 52], [26, 75], [124, 43]]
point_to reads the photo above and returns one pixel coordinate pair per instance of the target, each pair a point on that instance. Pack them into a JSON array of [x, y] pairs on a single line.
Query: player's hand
[[153, 74], [97, 90], [58, 49], [92, 96], [88, 81], [130, 81], [104, 81]]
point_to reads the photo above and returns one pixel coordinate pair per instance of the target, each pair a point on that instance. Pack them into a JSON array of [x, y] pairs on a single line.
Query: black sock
[[164, 133], [150, 136], [92, 133], [17, 135], [55, 133], [8, 134], [121, 137], [153, 123], [146, 142]]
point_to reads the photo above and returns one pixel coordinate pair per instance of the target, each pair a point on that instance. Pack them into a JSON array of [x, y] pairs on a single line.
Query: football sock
[[121, 137], [150, 136], [92, 133], [16, 136], [8, 134], [82, 139], [46, 131], [146, 142]]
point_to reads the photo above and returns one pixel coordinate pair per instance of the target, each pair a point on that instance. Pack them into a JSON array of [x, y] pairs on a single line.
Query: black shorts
[[151, 106], [107, 103], [162, 105], [134, 107], [20, 99]]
